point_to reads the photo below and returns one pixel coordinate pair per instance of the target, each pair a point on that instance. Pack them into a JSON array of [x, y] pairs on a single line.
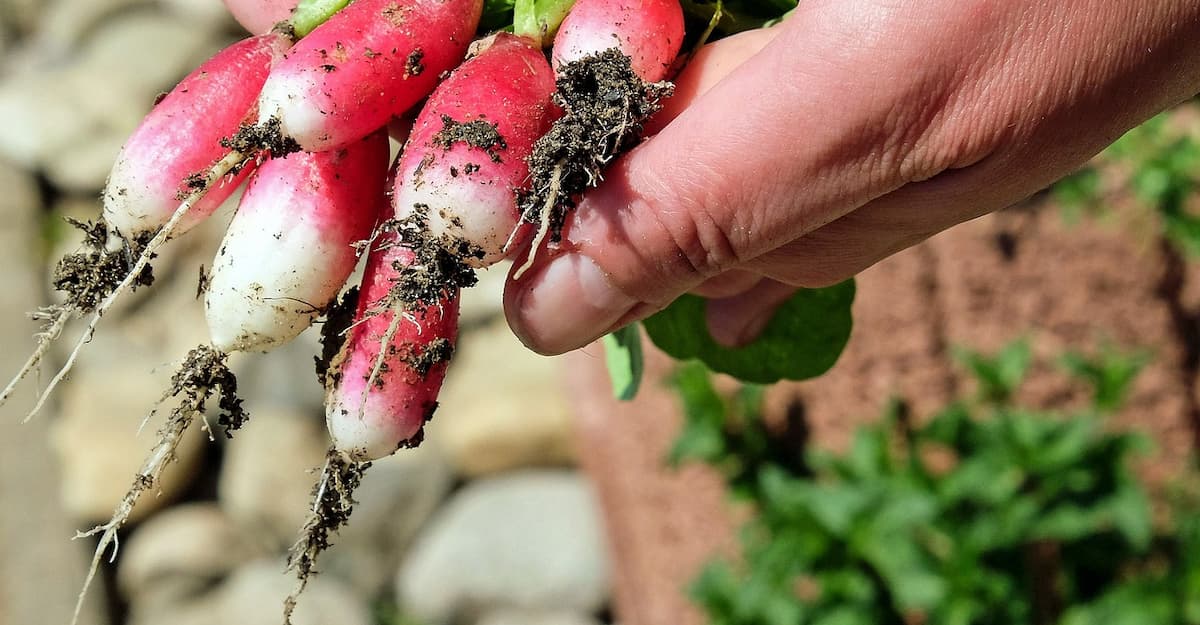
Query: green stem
[[310, 14], [539, 19]]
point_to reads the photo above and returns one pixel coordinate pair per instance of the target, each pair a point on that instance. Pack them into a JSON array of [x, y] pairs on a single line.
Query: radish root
[[233, 160], [203, 374], [333, 501], [56, 319], [605, 105]]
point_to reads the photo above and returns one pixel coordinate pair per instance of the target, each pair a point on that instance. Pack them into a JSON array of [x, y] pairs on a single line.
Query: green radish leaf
[[539, 19], [310, 14], [623, 353], [803, 340]]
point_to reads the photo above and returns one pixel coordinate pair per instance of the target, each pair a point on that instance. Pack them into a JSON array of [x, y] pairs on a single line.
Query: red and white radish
[[289, 248], [465, 161], [649, 32], [180, 139], [383, 385], [172, 173], [371, 61]]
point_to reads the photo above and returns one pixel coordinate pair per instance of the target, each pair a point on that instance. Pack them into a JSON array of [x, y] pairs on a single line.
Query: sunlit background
[[1030, 340]]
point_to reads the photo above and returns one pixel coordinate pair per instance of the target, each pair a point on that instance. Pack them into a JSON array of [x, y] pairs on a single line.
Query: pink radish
[[608, 58], [371, 61], [289, 248], [181, 137], [465, 160], [383, 385], [259, 16], [649, 32], [171, 173]]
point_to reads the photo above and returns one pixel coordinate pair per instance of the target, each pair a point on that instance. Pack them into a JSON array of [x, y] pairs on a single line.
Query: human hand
[[801, 155]]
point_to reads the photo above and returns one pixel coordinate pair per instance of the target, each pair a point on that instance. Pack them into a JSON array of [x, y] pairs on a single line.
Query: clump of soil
[[203, 374], [413, 65], [436, 352], [333, 501], [89, 276], [439, 267], [605, 106], [333, 332], [251, 138], [478, 134]]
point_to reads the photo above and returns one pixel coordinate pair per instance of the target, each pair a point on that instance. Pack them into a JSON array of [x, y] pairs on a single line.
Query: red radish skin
[[259, 16], [471, 190], [649, 32], [373, 410], [371, 61], [181, 136], [289, 249]]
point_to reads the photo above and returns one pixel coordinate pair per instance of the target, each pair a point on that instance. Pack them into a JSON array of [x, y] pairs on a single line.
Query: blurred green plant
[[1163, 161], [990, 513]]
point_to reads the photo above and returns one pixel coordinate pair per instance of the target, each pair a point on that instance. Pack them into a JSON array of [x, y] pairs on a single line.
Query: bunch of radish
[[502, 146]]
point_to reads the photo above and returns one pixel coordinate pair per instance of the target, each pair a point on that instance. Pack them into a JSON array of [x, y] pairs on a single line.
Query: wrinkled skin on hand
[[800, 155]]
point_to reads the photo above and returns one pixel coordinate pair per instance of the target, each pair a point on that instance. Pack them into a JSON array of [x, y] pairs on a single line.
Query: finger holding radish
[[608, 70]]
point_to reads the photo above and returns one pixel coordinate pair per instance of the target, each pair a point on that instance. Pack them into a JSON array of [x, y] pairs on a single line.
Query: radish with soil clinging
[[607, 56], [170, 174], [455, 196], [298, 220], [370, 62], [383, 385], [466, 158], [182, 135], [649, 32]]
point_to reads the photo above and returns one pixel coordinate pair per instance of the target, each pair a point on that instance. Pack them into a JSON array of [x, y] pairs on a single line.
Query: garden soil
[[1024, 272]]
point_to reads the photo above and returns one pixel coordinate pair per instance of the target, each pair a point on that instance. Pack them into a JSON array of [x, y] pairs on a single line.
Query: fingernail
[[567, 305]]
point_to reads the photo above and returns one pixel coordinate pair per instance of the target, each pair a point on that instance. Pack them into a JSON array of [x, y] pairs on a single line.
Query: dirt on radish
[[88, 276], [606, 105]]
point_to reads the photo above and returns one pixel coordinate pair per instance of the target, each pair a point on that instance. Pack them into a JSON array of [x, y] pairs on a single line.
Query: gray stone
[[268, 474], [41, 119], [527, 540], [286, 375], [179, 552], [397, 496], [39, 565], [102, 436], [484, 302], [65, 22], [205, 11], [496, 418], [254, 595], [511, 616], [84, 168], [100, 93]]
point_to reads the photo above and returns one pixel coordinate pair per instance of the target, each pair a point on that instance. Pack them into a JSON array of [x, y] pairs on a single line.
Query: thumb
[[720, 184]]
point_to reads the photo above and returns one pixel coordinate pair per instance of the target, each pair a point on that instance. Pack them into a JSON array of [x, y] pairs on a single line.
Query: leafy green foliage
[[539, 19], [1165, 165], [623, 355], [989, 513], [803, 340], [312, 13]]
